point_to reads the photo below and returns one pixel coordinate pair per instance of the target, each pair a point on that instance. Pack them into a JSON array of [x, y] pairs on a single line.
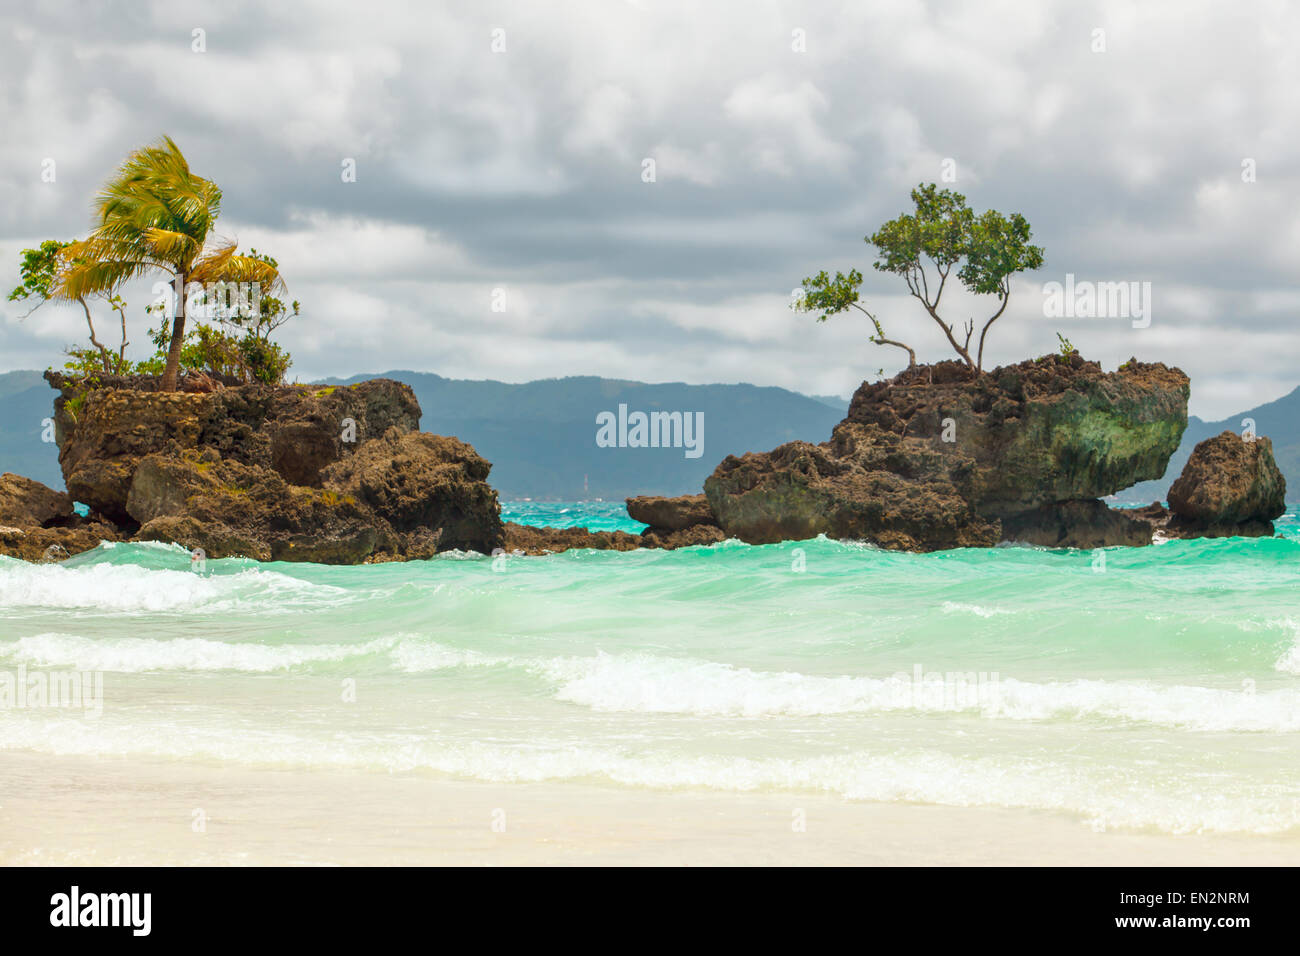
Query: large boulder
[[1230, 485], [25, 503], [1077, 524], [417, 480], [671, 514], [295, 430], [866, 483], [228, 509], [934, 458], [1039, 432]]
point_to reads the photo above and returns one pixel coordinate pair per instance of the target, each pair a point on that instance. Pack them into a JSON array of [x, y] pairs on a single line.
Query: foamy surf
[[130, 655], [124, 588]]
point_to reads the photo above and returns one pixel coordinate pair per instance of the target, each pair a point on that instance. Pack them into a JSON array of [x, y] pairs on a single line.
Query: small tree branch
[[103, 352], [879, 337], [1006, 297]]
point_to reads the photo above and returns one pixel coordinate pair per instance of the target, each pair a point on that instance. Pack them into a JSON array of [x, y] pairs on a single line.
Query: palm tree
[[156, 215]]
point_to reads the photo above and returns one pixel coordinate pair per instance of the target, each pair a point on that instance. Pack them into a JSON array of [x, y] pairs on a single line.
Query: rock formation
[[37, 523], [927, 460], [529, 539], [1230, 486], [932, 459], [336, 475], [679, 522]]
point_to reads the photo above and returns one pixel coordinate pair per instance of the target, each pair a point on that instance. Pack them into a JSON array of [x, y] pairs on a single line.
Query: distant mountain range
[[26, 399], [541, 436]]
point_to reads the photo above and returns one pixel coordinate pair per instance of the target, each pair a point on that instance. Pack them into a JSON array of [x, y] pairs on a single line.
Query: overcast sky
[[782, 133]]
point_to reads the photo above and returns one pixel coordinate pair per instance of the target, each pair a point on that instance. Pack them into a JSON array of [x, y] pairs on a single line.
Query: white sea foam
[[647, 683], [644, 683], [132, 589], [1289, 662], [138, 654], [415, 656], [956, 607]]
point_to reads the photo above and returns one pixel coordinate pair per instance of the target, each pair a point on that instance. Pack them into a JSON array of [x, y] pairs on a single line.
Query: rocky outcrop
[[866, 484], [335, 475], [1229, 486], [297, 431], [1039, 432], [671, 514], [934, 459], [55, 543], [530, 539], [37, 523], [1077, 524], [681, 522], [414, 480], [25, 503], [694, 536]]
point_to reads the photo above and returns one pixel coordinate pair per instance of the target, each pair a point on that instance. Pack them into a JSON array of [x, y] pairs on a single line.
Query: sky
[[501, 223]]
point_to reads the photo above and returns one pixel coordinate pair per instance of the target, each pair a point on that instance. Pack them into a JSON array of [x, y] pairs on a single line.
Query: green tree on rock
[[943, 234], [39, 274], [155, 215]]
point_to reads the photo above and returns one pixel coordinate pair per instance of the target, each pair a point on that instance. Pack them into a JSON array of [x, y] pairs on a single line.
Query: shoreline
[[75, 810]]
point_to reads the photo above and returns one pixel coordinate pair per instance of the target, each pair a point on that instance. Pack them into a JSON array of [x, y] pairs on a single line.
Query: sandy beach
[[110, 811]]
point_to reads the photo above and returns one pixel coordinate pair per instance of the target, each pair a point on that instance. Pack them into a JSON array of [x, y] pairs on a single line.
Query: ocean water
[[1157, 689]]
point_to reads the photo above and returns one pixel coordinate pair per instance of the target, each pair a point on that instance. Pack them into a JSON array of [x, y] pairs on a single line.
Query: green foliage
[[946, 231], [39, 272], [925, 246], [821, 293], [221, 351], [155, 215], [829, 296], [1067, 349]]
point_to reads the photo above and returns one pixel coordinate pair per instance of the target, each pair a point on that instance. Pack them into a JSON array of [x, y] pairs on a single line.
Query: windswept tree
[[153, 216], [39, 278], [925, 247]]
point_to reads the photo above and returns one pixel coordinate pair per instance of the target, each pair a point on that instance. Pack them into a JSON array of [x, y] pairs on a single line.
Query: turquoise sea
[[1152, 689]]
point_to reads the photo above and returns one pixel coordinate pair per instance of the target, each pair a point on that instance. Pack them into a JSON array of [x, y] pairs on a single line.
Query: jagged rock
[[696, 534], [25, 503], [671, 514], [103, 433], [866, 483], [229, 509], [214, 539], [1229, 486], [296, 430], [934, 459], [55, 543], [1041, 431], [417, 480], [1077, 524], [527, 539]]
